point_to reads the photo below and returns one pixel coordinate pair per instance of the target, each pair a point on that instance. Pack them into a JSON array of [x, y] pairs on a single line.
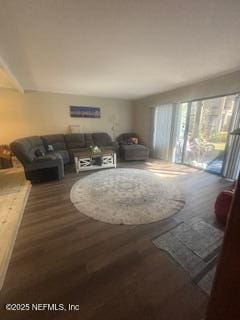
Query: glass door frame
[[186, 131]]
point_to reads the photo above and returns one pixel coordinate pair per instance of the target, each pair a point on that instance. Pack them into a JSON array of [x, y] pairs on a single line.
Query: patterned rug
[[195, 245], [126, 196]]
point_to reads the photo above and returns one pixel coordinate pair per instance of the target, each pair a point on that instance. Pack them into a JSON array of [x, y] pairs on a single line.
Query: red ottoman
[[222, 205]]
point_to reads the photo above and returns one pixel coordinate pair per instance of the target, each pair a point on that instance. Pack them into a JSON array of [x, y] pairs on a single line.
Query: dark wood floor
[[112, 271]]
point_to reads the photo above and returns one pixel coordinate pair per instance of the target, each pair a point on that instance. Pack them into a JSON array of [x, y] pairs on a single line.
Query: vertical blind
[[162, 132], [232, 159]]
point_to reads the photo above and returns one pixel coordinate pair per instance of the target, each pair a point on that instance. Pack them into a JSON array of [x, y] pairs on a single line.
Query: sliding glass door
[[206, 131], [196, 133]]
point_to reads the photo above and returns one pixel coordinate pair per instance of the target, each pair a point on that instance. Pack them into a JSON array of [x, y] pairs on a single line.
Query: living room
[[119, 159]]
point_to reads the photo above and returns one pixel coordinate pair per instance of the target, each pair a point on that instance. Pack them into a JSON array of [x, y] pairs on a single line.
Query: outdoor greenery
[[219, 146], [219, 136]]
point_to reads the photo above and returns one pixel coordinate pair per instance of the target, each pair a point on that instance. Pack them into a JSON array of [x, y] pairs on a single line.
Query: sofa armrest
[[47, 161], [115, 145], [141, 141], [112, 145]]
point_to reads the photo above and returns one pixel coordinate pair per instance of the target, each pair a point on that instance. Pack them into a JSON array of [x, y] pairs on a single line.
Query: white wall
[[223, 85], [39, 113]]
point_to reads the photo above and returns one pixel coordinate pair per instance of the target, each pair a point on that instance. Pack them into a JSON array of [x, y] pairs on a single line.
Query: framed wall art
[[85, 112]]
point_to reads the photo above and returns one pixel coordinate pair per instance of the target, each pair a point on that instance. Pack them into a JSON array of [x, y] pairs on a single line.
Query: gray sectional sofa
[[46, 156]]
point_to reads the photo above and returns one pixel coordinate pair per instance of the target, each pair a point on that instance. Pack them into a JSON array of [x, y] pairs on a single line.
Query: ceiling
[[118, 48]]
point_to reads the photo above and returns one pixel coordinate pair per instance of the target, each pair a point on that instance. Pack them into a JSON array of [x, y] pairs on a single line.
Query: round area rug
[[126, 196]]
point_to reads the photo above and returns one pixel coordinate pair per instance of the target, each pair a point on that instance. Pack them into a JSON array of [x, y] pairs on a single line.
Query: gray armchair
[[132, 149]]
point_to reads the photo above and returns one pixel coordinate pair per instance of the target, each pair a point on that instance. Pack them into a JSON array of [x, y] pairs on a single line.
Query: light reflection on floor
[[167, 169]]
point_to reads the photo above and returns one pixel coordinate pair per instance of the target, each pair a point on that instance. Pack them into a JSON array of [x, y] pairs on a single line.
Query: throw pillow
[[133, 140], [50, 147], [39, 153]]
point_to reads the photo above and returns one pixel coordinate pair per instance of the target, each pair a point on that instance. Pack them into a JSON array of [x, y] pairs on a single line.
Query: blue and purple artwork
[[85, 112]]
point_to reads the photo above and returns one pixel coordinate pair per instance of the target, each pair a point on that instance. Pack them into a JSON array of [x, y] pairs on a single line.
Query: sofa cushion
[[25, 148], [55, 140], [132, 140], [89, 139], [134, 152], [123, 138], [72, 151], [102, 139], [39, 153], [50, 160], [75, 140], [63, 154]]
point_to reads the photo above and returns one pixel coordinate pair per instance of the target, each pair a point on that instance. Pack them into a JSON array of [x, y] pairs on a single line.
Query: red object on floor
[[222, 205]]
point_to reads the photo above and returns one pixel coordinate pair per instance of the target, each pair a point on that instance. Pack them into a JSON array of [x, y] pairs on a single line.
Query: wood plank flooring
[[14, 191], [112, 271]]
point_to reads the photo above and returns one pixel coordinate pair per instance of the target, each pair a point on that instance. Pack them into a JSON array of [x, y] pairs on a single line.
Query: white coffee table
[[84, 160]]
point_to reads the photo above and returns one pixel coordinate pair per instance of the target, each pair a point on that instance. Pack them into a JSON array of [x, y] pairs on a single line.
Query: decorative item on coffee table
[[94, 158], [95, 150], [96, 155]]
